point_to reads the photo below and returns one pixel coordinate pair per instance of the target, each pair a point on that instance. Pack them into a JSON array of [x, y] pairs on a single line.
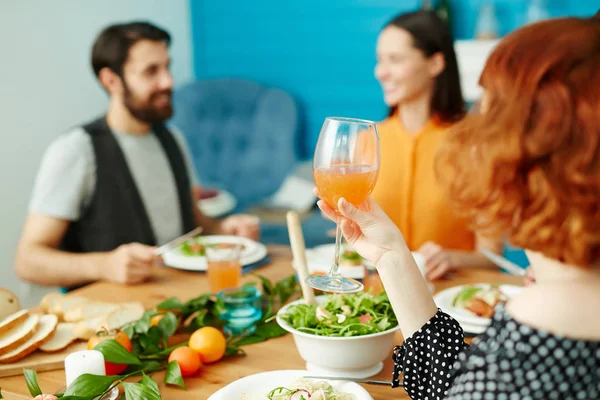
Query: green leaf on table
[[143, 324], [195, 304], [114, 352], [151, 340], [263, 332], [129, 331], [286, 288], [1, 393], [151, 383], [91, 386], [269, 330], [168, 325], [173, 375], [136, 391], [32, 382], [72, 398], [232, 350], [170, 304], [267, 286]]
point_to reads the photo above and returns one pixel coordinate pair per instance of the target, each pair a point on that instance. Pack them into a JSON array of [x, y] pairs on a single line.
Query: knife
[[357, 380], [176, 242], [502, 262]]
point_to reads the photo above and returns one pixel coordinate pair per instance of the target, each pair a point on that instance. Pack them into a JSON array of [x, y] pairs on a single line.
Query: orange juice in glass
[[224, 268], [345, 164], [352, 182]]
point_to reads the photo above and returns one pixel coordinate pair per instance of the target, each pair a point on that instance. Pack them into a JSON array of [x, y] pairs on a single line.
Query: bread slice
[[89, 310], [62, 337], [43, 333], [67, 303], [19, 334], [116, 319], [50, 301], [135, 306], [9, 303], [13, 320], [87, 328]]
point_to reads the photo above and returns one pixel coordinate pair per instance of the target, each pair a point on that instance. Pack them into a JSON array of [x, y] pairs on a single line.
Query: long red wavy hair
[[529, 166]]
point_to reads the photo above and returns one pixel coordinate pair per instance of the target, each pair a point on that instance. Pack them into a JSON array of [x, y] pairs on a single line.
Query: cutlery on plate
[[502, 262], [356, 380], [176, 242]]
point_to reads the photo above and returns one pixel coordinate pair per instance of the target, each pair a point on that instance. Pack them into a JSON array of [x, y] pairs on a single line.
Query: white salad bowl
[[352, 357]]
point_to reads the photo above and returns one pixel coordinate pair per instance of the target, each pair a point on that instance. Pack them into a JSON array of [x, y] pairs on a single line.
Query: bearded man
[[110, 191]]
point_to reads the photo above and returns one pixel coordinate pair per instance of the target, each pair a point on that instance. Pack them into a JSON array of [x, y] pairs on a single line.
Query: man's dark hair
[[111, 47]]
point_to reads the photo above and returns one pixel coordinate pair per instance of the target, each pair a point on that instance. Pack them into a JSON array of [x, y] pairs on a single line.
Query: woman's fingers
[[327, 211]]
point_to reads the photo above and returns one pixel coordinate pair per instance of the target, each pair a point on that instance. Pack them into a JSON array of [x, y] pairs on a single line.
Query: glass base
[[334, 284]]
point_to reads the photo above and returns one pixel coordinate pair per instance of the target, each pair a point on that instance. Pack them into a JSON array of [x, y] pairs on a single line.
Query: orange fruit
[[209, 342], [156, 319], [188, 360]]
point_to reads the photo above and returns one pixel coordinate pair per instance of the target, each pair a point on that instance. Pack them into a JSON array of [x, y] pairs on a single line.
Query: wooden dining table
[[274, 354]]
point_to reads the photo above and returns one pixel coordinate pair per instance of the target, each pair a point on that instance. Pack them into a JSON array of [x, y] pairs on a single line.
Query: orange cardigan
[[407, 189]]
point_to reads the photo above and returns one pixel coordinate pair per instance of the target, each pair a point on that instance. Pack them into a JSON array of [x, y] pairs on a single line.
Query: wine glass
[[346, 164]]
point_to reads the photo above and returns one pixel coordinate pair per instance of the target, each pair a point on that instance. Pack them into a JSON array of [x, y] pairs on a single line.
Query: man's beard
[[144, 110]]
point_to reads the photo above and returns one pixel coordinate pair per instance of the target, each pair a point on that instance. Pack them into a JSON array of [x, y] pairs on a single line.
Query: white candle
[[84, 362]]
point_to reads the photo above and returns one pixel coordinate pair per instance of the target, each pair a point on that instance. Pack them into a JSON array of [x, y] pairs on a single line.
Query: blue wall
[[322, 51]]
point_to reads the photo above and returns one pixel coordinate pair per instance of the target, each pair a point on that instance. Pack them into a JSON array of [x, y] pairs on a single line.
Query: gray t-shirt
[[66, 180]]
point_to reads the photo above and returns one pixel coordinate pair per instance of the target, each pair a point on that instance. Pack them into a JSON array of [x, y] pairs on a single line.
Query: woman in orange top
[[417, 69]]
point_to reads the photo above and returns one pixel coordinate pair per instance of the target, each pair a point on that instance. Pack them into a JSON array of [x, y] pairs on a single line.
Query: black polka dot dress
[[508, 361]]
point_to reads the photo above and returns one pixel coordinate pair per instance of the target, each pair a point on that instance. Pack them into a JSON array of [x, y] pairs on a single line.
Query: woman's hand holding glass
[[367, 228]]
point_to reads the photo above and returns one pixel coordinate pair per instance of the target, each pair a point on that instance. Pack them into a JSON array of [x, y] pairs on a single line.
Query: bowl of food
[[343, 335]]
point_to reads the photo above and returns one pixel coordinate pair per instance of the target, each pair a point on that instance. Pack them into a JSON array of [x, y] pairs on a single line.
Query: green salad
[[343, 315], [302, 389], [193, 248]]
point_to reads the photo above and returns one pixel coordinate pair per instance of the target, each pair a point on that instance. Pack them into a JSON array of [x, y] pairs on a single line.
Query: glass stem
[[335, 268]]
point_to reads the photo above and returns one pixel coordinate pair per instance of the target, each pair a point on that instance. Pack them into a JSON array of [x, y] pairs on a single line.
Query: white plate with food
[[352, 265], [474, 304], [190, 255], [289, 385], [215, 203]]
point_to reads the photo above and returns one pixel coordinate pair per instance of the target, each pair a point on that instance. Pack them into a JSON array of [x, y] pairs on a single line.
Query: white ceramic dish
[[445, 298], [221, 204], [319, 259], [352, 357], [253, 252], [264, 382]]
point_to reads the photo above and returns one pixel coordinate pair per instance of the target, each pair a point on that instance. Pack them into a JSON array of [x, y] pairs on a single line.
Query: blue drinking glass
[[242, 309]]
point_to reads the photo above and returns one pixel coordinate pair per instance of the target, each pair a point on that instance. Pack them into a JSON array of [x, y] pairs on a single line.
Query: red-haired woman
[[528, 166]]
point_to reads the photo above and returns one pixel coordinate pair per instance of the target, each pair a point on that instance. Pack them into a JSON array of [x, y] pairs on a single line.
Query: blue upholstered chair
[[242, 135]]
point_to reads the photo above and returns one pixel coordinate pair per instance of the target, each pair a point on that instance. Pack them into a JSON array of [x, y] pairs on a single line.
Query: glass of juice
[[224, 268], [345, 164], [242, 309]]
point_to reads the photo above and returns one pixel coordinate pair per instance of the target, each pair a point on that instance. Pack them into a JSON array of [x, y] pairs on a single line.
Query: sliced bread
[[87, 328], [50, 300], [19, 334], [62, 337], [43, 333], [135, 306], [67, 303], [9, 303], [116, 319], [89, 310], [13, 320]]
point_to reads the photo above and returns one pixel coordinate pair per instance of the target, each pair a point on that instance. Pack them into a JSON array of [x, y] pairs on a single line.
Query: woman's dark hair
[[111, 47], [432, 35]]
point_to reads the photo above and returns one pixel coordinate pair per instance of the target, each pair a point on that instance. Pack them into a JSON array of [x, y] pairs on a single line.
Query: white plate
[[445, 298], [264, 382], [319, 259], [221, 204], [253, 252]]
